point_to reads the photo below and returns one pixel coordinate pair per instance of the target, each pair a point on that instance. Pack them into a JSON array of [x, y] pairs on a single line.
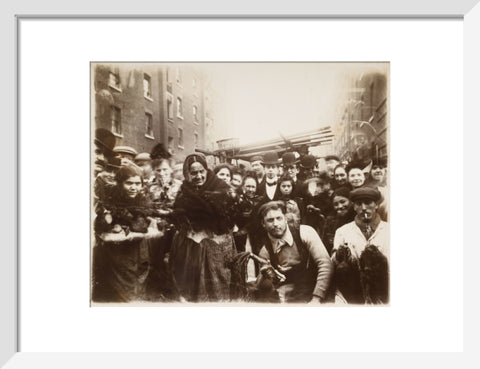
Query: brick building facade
[[145, 104], [361, 133]]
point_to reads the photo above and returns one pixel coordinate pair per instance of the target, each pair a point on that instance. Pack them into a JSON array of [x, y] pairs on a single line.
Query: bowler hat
[[365, 193], [308, 162], [289, 159], [270, 158], [104, 139]]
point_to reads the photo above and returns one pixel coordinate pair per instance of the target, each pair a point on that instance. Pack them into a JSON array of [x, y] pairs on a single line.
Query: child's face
[[286, 188]]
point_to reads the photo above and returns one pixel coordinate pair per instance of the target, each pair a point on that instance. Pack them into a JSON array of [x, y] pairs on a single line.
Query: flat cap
[[256, 158], [143, 156], [125, 150], [365, 193]]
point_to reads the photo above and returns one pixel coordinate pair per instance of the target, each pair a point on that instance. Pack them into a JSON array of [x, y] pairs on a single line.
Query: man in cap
[[361, 252], [257, 166], [331, 161], [307, 167], [269, 187], [126, 153], [289, 163], [367, 227], [143, 161], [298, 254]]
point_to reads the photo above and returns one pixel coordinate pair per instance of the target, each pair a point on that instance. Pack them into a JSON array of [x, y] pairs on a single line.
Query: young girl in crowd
[[292, 205]]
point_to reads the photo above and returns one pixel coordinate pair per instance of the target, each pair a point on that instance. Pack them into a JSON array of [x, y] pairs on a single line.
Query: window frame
[[147, 120], [195, 114], [114, 109], [147, 94], [118, 85], [180, 143], [179, 107], [170, 99]]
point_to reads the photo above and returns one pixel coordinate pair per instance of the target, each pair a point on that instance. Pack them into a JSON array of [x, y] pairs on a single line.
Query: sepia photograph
[[240, 184]]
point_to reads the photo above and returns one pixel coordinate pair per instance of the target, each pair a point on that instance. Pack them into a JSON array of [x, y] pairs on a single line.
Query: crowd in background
[[276, 229]]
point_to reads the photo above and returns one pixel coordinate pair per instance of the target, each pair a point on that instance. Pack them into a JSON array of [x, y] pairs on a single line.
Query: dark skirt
[[201, 270], [120, 271]]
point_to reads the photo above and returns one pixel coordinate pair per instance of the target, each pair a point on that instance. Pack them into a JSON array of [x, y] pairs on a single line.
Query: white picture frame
[[9, 284]]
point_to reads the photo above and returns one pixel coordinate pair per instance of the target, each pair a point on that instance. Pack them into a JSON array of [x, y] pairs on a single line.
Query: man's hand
[[312, 209], [267, 272]]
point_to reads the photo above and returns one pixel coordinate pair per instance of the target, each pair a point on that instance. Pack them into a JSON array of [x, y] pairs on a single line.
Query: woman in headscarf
[[122, 225], [203, 246]]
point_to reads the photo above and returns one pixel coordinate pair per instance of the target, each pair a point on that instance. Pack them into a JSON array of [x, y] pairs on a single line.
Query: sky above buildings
[[259, 100]]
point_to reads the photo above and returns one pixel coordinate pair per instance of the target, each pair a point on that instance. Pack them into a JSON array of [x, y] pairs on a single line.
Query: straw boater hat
[[332, 157], [270, 158]]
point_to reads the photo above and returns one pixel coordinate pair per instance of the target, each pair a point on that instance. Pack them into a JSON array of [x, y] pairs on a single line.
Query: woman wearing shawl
[[122, 227], [203, 246]]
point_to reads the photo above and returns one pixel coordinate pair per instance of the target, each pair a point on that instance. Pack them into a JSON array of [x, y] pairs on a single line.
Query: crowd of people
[[274, 230]]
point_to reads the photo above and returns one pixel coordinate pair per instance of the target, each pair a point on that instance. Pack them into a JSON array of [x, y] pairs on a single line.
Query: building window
[[195, 114], [179, 108], [170, 144], [148, 125], [116, 120], [114, 81], [371, 98], [147, 86], [195, 140], [180, 137], [178, 76], [169, 107], [169, 78]]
